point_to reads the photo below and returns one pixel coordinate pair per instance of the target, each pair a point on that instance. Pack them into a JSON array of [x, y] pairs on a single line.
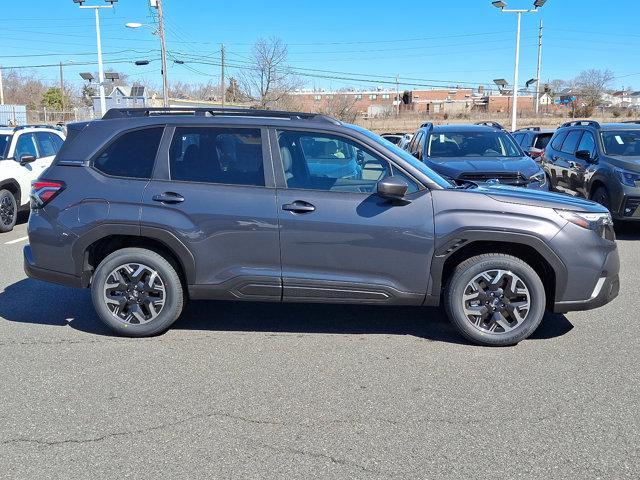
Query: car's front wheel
[[601, 196], [495, 299], [137, 292], [8, 211]]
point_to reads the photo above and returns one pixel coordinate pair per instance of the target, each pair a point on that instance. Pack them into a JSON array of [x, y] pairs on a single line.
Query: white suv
[[25, 152]]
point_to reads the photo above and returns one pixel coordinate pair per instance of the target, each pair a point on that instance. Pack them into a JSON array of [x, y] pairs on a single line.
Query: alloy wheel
[[496, 301], [7, 211], [134, 293]]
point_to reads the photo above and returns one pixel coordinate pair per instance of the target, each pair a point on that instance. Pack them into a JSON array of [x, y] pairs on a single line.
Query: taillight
[[43, 191]]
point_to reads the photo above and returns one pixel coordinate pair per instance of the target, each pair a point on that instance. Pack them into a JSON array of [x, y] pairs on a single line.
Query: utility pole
[[397, 96], [62, 90], [163, 53], [1, 88], [222, 84], [539, 66]]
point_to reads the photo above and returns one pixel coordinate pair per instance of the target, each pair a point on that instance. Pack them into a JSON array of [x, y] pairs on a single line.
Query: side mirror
[[392, 188], [584, 155], [360, 157], [24, 159]]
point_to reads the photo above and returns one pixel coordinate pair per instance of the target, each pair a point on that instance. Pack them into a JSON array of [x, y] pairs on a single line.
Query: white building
[[122, 97]]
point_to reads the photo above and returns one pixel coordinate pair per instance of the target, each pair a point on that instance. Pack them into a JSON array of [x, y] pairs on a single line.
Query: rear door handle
[[298, 206], [168, 197]]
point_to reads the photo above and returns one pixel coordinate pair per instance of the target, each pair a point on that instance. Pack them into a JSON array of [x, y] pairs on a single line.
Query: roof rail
[[530, 129], [491, 124], [581, 123], [213, 112], [427, 125], [631, 121], [20, 127]]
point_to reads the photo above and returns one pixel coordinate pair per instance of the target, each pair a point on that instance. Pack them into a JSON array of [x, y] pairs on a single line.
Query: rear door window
[[46, 144], [558, 139], [571, 142], [132, 155], [518, 137], [231, 156]]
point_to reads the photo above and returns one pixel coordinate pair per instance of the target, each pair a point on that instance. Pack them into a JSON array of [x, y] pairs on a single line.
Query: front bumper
[[606, 289], [51, 276]]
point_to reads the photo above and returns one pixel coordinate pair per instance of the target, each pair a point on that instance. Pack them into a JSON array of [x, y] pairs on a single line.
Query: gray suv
[[151, 207]]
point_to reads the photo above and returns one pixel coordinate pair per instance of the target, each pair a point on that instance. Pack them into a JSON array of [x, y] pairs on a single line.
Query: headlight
[[539, 177], [601, 223], [626, 177]]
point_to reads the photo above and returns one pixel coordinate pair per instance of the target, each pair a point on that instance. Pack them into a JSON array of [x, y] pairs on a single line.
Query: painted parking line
[[17, 240]]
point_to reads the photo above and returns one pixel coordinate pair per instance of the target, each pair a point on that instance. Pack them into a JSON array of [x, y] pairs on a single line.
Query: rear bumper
[[51, 276]]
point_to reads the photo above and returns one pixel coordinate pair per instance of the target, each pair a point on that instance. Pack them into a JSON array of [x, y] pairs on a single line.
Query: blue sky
[[431, 42]]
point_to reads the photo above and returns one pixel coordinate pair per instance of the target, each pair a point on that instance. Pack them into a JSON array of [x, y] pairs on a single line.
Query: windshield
[[406, 156], [625, 143], [472, 144], [5, 141]]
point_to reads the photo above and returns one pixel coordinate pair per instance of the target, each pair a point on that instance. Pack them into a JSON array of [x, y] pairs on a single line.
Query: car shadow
[[40, 303], [627, 230]]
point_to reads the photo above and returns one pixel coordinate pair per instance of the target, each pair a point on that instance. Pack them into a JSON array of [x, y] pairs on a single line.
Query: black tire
[[601, 196], [8, 211], [173, 292], [468, 270]]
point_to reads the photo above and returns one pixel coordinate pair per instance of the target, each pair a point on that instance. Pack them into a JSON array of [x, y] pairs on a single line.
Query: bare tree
[[592, 84], [268, 79], [23, 88], [341, 106]]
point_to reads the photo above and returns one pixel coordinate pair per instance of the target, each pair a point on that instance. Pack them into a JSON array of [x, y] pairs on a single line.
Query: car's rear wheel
[[8, 211], [601, 196], [137, 292], [495, 299]]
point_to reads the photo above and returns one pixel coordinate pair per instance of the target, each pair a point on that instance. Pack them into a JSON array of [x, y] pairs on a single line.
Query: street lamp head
[[79, 2], [179, 62], [539, 3], [531, 82], [86, 76], [499, 4], [133, 25], [141, 62], [111, 1]]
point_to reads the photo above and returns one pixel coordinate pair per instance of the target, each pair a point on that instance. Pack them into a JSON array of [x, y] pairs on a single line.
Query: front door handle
[[298, 206], [168, 197]]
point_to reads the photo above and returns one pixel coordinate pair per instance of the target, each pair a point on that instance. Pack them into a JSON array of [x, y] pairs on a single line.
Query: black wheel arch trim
[[451, 243], [15, 185], [167, 239]]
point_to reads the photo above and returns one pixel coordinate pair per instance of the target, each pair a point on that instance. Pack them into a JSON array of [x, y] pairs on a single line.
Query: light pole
[[163, 51], [502, 6], [96, 9]]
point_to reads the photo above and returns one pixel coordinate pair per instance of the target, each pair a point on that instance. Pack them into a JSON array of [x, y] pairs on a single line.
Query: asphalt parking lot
[[297, 391]]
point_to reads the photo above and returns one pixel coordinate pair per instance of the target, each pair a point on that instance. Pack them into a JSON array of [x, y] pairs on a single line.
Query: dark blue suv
[[476, 153]]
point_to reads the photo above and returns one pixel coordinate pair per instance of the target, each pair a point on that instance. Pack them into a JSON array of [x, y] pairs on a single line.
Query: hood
[[626, 163], [453, 167], [506, 194]]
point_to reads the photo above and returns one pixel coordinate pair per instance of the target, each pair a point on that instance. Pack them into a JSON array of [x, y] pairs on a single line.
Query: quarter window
[[230, 156], [131, 155], [317, 161], [557, 141]]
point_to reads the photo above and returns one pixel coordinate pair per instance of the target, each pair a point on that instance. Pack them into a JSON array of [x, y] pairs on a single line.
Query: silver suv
[[149, 208]]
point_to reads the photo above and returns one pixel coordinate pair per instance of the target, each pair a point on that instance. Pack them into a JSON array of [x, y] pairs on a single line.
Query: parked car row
[[582, 158], [25, 152], [150, 207]]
